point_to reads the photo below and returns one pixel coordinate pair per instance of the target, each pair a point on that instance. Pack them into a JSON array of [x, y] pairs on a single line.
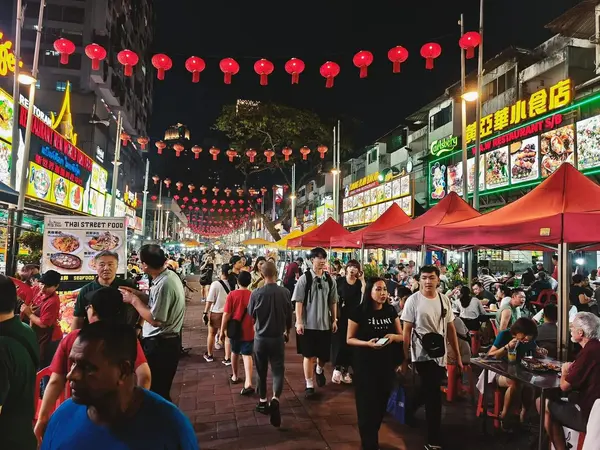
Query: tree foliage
[[262, 126], [32, 241]]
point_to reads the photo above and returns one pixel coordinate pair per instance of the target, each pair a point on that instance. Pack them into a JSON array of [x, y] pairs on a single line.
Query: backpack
[[309, 280]]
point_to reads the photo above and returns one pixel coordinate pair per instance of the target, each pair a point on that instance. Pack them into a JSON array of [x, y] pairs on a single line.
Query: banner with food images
[[71, 244]]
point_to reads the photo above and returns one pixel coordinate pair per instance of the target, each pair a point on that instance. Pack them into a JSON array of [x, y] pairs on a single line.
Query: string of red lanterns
[[263, 67]]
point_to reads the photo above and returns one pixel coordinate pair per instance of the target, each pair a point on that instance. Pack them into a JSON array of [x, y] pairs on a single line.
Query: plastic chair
[[475, 342], [498, 402], [455, 385], [37, 401], [495, 326], [544, 297]]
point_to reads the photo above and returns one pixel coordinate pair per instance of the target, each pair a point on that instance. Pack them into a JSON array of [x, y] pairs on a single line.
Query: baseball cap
[[50, 278]]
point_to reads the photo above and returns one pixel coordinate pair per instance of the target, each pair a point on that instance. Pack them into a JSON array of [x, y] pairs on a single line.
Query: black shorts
[[244, 348], [567, 414], [315, 343]]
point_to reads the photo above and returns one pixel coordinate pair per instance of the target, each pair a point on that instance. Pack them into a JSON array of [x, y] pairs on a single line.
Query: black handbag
[[434, 344], [234, 328]]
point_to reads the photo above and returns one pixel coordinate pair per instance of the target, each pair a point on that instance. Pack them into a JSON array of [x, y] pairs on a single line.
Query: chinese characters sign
[[541, 102]]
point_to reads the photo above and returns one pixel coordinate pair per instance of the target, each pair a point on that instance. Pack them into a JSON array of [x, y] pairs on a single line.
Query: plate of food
[[66, 261], [538, 365], [524, 160], [75, 197], [41, 182], [60, 190], [65, 243], [104, 241]]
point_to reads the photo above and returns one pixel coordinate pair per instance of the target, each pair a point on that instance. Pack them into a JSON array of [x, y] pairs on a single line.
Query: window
[[441, 118], [372, 155], [61, 86], [500, 85]]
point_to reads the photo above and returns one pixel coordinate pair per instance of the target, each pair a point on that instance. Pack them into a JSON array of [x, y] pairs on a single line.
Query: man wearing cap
[[316, 300], [43, 314], [107, 263]]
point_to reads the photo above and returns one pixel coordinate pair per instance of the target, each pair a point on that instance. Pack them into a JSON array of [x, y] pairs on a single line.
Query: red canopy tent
[[392, 217], [565, 208], [319, 237], [451, 209]]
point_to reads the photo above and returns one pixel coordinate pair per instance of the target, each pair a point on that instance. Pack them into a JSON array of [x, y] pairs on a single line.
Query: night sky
[[317, 32]]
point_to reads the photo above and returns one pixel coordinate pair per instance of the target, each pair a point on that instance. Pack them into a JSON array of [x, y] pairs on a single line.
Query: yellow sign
[[539, 103], [39, 183], [364, 181], [7, 57]]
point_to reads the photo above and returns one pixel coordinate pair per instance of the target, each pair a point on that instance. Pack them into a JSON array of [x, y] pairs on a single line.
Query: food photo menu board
[[71, 243]]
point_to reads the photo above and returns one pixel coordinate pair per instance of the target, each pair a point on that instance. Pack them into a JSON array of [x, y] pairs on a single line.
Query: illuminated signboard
[[539, 103], [7, 57], [365, 183], [445, 145]]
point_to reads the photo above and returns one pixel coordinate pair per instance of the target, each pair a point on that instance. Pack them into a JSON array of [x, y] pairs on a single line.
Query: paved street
[[225, 420]]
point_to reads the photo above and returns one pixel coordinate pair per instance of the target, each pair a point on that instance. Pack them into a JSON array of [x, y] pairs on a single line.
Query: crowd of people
[[117, 365]]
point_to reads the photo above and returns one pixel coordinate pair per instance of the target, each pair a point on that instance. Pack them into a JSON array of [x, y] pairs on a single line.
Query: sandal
[[236, 381]]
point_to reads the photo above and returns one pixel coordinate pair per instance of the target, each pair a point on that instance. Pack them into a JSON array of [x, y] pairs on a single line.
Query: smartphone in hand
[[382, 341]]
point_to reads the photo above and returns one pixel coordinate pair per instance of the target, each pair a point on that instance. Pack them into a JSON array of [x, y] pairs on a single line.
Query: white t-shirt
[[217, 295], [426, 316]]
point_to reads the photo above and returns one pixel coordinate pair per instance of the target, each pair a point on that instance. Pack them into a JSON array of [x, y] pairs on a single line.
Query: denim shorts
[[242, 347]]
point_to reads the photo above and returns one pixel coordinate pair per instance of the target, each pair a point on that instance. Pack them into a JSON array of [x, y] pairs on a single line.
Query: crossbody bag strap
[[224, 286], [442, 315]]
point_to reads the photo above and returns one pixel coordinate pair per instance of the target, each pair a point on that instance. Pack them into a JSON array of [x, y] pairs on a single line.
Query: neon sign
[[539, 103], [444, 145], [7, 57]]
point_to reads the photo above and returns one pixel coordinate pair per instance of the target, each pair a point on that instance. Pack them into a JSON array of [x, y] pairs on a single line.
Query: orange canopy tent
[[392, 217], [565, 208], [409, 235], [320, 236]]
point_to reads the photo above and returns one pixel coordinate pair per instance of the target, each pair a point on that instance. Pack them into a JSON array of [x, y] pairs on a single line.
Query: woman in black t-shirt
[[350, 290], [374, 358]]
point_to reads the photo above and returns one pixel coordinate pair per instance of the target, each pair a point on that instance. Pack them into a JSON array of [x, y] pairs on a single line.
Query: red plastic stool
[[455, 385], [475, 342], [498, 402]]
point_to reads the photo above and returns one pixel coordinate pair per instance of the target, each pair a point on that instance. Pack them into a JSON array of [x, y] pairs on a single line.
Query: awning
[[257, 241], [319, 237], [8, 194]]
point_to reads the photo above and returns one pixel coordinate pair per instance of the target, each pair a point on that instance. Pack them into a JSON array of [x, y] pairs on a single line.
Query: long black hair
[[465, 296], [367, 302]]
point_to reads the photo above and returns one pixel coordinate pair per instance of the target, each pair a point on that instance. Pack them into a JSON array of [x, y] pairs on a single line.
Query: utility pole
[[478, 111], [115, 175], [145, 205]]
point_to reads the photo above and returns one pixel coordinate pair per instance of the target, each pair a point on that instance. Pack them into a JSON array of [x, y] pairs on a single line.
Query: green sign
[[444, 145]]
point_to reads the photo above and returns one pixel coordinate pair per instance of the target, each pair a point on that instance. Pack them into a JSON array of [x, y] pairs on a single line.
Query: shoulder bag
[[434, 344]]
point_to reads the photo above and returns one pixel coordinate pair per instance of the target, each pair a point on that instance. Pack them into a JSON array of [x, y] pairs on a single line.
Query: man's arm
[[504, 319], [454, 342], [55, 387], [406, 332], [141, 307], [143, 376], [143, 297]]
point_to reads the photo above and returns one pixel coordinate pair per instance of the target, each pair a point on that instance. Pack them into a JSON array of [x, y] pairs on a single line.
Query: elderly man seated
[[582, 375]]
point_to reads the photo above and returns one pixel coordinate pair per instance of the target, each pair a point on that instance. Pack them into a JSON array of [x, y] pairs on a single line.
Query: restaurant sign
[[539, 103], [365, 183], [444, 145], [7, 57]]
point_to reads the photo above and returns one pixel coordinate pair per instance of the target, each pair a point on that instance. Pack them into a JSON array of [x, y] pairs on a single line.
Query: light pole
[[293, 198], [16, 231], [144, 205], [116, 163], [478, 110]]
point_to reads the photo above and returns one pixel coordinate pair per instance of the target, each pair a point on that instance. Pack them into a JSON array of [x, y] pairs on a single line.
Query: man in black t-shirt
[[578, 294], [486, 297]]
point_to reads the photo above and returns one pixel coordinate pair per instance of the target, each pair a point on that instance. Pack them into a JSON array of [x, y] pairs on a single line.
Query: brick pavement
[[225, 420]]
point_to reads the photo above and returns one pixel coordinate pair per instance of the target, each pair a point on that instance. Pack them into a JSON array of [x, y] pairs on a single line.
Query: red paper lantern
[[329, 71], [156, 179], [204, 201], [251, 154], [65, 48], [214, 201], [215, 190], [124, 138], [143, 141], [234, 210], [196, 150], [154, 198], [178, 149], [229, 67], [227, 192], [190, 207], [160, 145], [240, 201], [259, 200], [203, 189], [220, 210], [240, 192], [96, 53], [322, 149], [232, 202], [162, 63], [397, 56], [212, 209], [167, 182], [231, 153], [295, 67], [248, 208], [176, 197], [191, 187], [185, 199], [286, 153], [196, 208], [195, 65], [204, 209], [263, 190], [264, 68], [269, 154], [179, 185], [305, 151], [430, 51], [128, 59], [195, 200], [214, 152], [222, 202], [468, 42], [363, 60]]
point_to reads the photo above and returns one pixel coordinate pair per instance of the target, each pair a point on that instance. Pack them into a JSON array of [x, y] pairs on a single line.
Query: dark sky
[[317, 32]]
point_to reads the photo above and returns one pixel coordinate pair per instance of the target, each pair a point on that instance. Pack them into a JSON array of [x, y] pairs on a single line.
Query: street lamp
[[26, 79], [470, 96]]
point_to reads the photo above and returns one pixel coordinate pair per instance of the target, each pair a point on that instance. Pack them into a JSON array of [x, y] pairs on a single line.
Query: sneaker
[[275, 413], [208, 358], [263, 408], [217, 345], [347, 378], [321, 380], [248, 391], [226, 362], [336, 377], [433, 447], [309, 392]]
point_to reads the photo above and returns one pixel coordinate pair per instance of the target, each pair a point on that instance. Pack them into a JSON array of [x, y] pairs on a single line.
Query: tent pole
[[564, 269], [423, 255]]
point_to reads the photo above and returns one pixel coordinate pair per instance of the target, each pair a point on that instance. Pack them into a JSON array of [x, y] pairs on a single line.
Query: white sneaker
[[218, 346], [347, 378], [336, 377]]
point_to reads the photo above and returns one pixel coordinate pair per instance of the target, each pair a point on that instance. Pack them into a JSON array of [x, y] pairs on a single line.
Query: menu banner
[[71, 243]]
